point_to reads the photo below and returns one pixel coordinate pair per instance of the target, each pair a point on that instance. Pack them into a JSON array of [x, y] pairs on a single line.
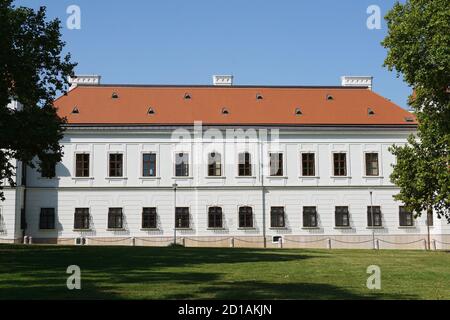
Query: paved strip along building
[[226, 165]]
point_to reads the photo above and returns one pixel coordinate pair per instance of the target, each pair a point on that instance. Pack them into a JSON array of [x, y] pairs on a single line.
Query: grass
[[39, 272]]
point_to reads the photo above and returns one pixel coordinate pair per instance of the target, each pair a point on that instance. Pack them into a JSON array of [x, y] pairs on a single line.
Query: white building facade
[[220, 183]]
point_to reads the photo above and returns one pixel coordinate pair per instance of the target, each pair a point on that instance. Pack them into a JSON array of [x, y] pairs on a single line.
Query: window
[[374, 216], [309, 217], [82, 165], [340, 164], [182, 165], [277, 217], [115, 218], [308, 164], [149, 165], [81, 220], [245, 217], [372, 164], [47, 218], [214, 164], [430, 219], [406, 217], [149, 218], [48, 169], [245, 164], [215, 217], [342, 217], [276, 164], [182, 218], [115, 165]]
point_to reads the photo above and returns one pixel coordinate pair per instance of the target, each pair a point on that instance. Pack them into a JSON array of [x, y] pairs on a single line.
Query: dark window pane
[[277, 217], [374, 216], [149, 165], [149, 218], [245, 164], [81, 220], [245, 217], [82, 165], [372, 164], [182, 217], [309, 217], [215, 217], [115, 218], [276, 164], [342, 217], [406, 218], [48, 169], [308, 164], [181, 165], [340, 164], [430, 219], [47, 218], [115, 165], [214, 164]]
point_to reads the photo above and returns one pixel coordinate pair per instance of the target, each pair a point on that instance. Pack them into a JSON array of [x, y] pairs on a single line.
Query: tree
[[418, 44], [32, 72]]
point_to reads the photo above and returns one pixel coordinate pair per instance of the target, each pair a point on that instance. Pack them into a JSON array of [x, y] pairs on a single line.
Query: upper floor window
[[277, 217], [406, 217], [115, 164], [148, 164], [214, 164], [47, 218], [182, 165], [245, 164], [276, 164], [309, 217], [48, 169], [372, 164], [340, 164], [245, 217], [374, 216], [82, 165], [215, 217], [81, 220], [182, 217], [115, 218], [308, 164], [342, 216], [149, 218]]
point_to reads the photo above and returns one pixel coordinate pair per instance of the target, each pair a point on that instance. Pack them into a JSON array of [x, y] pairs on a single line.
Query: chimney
[[93, 80], [223, 80], [357, 81]]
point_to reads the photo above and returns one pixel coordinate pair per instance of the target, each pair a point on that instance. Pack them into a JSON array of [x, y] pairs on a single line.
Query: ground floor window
[[309, 217], [215, 217], [81, 220], [342, 216], [149, 218], [115, 218], [182, 217], [406, 217], [277, 217], [374, 216], [245, 217], [47, 218]]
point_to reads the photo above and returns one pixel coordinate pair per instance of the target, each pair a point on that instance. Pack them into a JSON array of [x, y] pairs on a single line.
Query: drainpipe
[[263, 190]]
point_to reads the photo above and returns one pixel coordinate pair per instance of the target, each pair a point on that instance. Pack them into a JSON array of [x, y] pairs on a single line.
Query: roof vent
[[409, 119], [150, 111], [357, 81], [298, 112], [370, 112], [114, 95], [187, 96], [225, 111], [75, 110], [223, 80], [330, 97], [259, 96]]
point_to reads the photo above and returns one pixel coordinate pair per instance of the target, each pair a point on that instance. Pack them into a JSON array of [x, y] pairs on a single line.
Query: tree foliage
[[32, 72], [418, 44]]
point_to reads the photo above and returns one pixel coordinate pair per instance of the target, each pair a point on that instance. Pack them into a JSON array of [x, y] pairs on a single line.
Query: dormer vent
[[75, 110], [115, 95], [225, 111], [330, 97], [150, 111], [187, 96], [370, 111], [298, 112], [259, 96]]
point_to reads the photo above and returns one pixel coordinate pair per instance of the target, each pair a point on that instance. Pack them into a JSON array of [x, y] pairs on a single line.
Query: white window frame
[[364, 165], [141, 166], [253, 217], [316, 166], [347, 164], [124, 165], [91, 165], [284, 164], [189, 176]]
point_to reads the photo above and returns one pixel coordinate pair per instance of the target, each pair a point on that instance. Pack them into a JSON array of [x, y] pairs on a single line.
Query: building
[[254, 166]]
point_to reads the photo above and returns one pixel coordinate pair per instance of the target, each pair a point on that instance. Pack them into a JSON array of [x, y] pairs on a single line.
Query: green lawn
[[39, 272]]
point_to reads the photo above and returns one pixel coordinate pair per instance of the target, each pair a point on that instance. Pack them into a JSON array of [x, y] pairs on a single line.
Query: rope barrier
[[390, 242], [108, 241], [196, 240], [148, 240], [441, 242], [299, 241], [353, 242], [249, 241]]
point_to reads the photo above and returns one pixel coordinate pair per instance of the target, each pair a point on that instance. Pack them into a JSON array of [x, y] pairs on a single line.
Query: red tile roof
[[278, 105]]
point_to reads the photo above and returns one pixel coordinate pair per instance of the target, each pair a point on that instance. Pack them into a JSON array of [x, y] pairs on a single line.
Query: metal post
[[175, 213], [373, 220]]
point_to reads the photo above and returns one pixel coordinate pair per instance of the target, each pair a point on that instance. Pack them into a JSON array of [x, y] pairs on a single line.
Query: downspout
[[261, 173]]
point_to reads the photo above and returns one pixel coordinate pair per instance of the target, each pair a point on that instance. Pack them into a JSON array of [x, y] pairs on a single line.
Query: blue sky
[[267, 42]]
